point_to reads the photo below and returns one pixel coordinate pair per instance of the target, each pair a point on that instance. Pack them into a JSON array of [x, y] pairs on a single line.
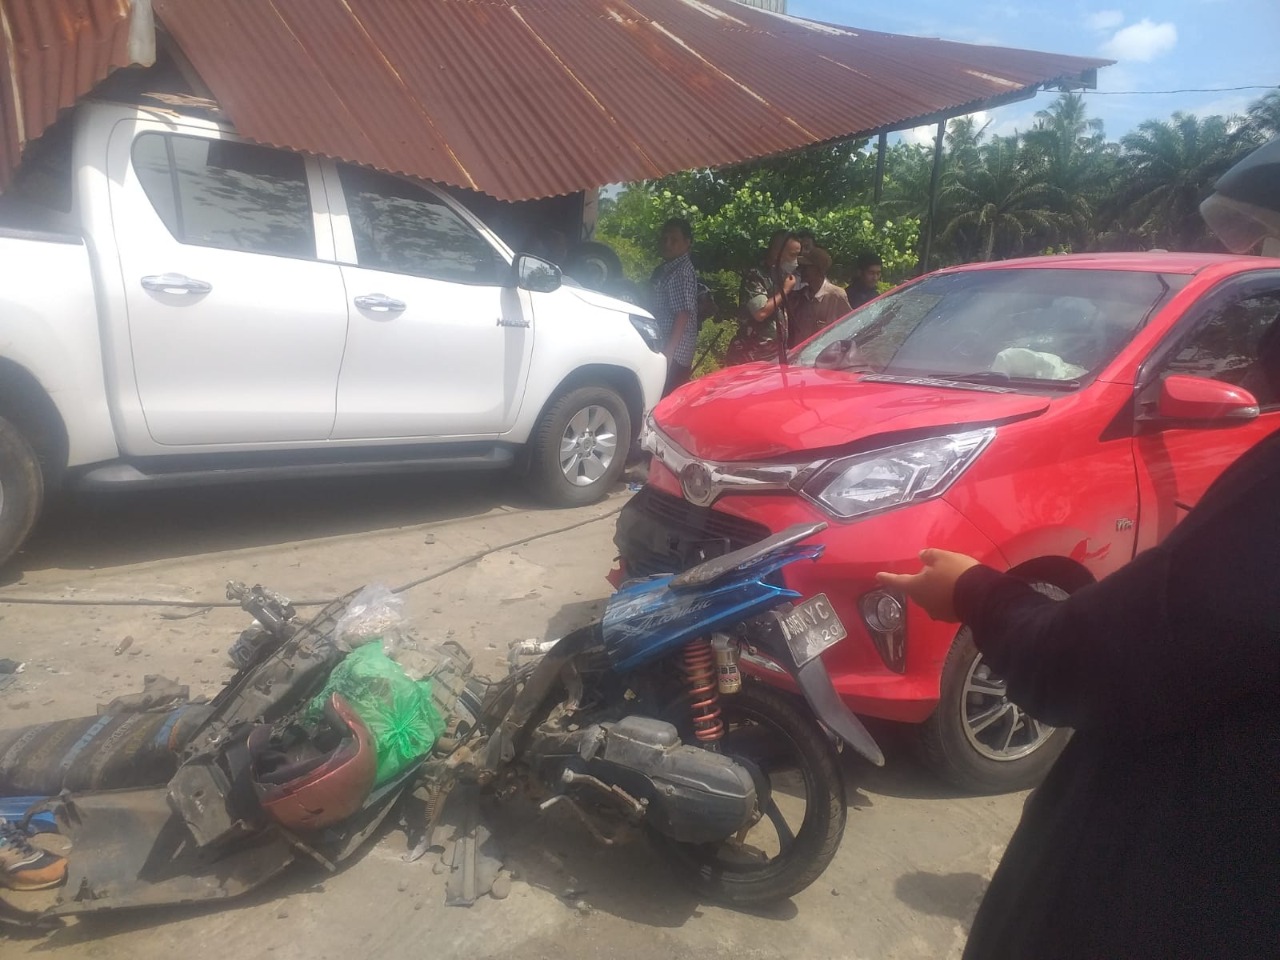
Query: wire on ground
[[210, 604]]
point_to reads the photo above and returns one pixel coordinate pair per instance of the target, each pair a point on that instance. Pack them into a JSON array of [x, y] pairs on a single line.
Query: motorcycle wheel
[[796, 769]]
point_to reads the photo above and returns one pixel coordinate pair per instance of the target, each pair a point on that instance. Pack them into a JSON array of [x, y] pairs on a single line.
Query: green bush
[[736, 212]]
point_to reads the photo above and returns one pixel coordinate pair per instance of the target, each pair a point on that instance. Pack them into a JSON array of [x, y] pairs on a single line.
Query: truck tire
[[595, 265], [977, 739], [579, 448], [21, 490]]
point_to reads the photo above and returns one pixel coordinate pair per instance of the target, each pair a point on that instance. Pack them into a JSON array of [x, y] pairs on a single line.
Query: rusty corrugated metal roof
[[517, 98], [531, 98], [52, 52]]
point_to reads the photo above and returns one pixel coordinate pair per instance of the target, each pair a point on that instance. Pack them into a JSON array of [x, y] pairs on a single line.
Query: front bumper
[[659, 532]]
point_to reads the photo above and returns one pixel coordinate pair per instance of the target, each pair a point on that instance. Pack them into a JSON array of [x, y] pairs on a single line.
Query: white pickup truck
[[179, 306]]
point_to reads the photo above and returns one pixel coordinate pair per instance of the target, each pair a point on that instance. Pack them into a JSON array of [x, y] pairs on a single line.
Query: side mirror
[[1204, 400], [535, 274]]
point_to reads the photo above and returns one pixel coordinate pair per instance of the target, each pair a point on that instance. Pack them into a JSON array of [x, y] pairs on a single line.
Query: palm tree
[[908, 172], [1069, 150], [963, 144], [1170, 166], [999, 198], [1264, 116]]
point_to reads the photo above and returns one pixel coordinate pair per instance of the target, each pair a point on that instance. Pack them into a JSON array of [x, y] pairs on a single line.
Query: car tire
[[977, 760], [596, 419], [21, 490]]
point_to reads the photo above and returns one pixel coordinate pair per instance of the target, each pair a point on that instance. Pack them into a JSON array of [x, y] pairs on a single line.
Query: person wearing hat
[[819, 302]]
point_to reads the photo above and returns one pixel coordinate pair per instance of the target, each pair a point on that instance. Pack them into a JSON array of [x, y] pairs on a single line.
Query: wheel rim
[[996, 727], [588, 446], [785, 788]]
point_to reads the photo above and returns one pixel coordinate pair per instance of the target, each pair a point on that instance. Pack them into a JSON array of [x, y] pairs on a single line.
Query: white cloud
[[1104, 20], [919, 136], [923, 136], [1234, 106], [1142, 41], [1015, 122]]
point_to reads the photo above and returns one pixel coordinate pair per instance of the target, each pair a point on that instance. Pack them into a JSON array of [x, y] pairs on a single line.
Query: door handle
[[379, 303], [175, 283]]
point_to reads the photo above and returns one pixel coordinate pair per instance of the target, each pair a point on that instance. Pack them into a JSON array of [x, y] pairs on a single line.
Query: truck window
[[402, 228], [39, 198], [219, 193]]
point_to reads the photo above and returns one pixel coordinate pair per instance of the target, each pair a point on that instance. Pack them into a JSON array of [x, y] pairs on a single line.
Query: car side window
[[402, 228], [1237, 343], [219, 193]]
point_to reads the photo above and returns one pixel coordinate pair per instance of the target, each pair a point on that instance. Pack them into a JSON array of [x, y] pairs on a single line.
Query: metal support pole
[[881, 146], [933, 195]]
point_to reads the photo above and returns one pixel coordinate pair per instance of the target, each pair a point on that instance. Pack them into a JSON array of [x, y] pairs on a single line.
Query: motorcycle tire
[[820, 833]]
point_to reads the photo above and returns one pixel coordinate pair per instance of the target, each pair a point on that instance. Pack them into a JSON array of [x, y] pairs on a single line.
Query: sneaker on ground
[[24, 866]]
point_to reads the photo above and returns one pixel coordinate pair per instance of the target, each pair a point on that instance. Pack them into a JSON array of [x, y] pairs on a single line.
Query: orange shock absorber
[[699, 663]]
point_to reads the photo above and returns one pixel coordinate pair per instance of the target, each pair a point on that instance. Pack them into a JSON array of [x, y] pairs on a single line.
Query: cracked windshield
[[574, 479], [1013, 325]]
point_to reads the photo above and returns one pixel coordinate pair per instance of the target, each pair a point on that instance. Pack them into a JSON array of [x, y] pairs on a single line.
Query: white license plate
[[811, 628]]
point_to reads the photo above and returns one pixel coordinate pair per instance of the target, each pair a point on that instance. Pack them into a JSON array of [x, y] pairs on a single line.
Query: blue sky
[[1172, 44]]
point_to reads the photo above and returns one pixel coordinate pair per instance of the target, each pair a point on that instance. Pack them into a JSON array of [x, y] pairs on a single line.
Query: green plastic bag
[[398, 711]]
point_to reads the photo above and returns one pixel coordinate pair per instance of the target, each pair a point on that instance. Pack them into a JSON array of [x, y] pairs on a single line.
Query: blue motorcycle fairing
[[646, 619]]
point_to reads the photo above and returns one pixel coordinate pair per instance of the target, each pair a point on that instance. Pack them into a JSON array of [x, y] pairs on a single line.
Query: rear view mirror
[[1204, 400], [535, 274]]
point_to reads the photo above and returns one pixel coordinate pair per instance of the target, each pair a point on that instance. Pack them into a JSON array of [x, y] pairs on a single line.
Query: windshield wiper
[[1003, 379]]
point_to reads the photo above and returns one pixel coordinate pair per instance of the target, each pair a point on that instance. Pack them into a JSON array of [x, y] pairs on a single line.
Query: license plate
[[812, 627]]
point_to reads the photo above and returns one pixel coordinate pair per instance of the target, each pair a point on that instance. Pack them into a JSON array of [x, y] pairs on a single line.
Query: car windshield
[[1024, 325]]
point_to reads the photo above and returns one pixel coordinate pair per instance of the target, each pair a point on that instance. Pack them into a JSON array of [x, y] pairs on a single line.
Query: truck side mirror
[[1205, 401], [535, 274]]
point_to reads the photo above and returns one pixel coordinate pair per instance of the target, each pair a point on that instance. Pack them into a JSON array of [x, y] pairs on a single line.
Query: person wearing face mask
[[762, 301]]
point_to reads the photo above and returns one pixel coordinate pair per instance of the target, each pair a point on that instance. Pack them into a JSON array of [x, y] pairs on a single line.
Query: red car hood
[[762, 411]]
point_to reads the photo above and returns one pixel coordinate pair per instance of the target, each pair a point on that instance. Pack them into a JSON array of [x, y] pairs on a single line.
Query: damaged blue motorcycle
[[640, 724]]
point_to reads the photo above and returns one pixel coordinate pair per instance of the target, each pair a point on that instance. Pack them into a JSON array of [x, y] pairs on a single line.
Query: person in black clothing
[[866, 279], [1156, 834]]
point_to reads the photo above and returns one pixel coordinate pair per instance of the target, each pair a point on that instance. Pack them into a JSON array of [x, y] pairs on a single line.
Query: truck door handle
[[175, 283], [380, 303]]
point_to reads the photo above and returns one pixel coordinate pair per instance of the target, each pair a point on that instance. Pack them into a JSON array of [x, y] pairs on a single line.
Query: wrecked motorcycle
[[639, 724]]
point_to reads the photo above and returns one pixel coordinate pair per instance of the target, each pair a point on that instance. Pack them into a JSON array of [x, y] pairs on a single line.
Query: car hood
[[604, 301], [763, 411]]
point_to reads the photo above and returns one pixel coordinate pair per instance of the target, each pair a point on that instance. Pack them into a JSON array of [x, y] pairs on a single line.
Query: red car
[[1050, 416]]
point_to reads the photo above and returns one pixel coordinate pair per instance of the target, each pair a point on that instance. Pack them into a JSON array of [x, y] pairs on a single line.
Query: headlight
[[649, 332], [649, 435], [883, 479]]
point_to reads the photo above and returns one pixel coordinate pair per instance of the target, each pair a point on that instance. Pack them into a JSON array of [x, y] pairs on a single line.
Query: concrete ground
[[496, 568]]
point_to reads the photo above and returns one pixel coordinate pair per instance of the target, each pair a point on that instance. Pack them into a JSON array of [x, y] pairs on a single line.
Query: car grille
[[659, 533]]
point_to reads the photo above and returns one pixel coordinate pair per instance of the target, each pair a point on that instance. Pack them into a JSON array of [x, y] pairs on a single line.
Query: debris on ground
[[184, 614], [157, 693], [123, 645], [375, 613]]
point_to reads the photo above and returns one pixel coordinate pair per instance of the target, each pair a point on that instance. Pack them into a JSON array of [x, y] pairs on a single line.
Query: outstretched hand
[[934, 587]]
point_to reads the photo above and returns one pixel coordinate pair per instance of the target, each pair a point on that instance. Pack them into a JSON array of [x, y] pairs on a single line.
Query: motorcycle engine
[[692, 795]]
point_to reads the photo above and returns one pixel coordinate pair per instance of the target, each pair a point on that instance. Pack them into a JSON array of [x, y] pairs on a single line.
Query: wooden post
[[881, 146], [934, 177]]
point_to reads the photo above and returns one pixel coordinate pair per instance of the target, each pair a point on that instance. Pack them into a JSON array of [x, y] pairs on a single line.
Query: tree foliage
[[734, 211], [1058, 187], [1062, 185]]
